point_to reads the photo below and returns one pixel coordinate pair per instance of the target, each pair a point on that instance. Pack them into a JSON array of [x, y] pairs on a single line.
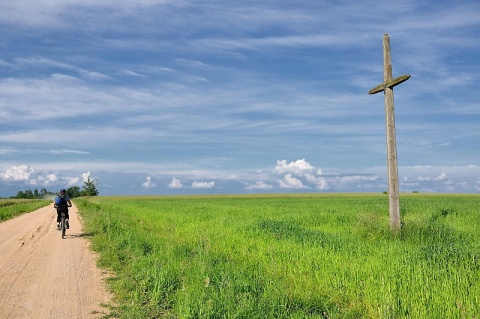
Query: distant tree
[[89, 188], [29, 194], [21, 194], [74, 191]]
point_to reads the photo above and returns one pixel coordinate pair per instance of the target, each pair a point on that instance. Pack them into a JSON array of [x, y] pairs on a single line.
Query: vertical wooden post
[[392, 166], [393, 188]]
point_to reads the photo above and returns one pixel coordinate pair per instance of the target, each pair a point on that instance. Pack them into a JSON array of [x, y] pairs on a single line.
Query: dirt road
[[44, 276]]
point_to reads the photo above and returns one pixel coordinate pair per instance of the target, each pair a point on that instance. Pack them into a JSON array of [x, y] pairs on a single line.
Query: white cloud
[[441, 177], [51, 178], [477, 185], [320, 182], [86, 176], [259, 185], [298, 167], [72, 181], [8, 151], [300, 174], [291, 182], [61, 14], [148, 183], [18, 173], [175, 183], [92, 75], [133, 73], [460, 179], [357, 178], [28, 175], [205, 185], [65, 151]]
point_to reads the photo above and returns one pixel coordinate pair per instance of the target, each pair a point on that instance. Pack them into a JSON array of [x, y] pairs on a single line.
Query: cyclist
[[62, 202]]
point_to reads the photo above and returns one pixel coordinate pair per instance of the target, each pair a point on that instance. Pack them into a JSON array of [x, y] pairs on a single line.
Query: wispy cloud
[[209, 97], [204, 185], [65, 151], [260, 185]]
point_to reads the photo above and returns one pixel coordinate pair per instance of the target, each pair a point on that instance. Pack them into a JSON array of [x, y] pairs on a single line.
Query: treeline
[[29, 194], [89, 188]]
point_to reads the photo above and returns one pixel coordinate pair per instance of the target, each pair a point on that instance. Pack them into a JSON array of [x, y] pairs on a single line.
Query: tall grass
[[298, 256], [10, 208]]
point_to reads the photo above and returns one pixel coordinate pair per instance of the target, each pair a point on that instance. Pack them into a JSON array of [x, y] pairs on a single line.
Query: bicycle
[[63, 225]]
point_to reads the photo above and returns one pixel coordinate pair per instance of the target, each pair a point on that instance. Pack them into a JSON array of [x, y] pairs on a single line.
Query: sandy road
[[45, 276]]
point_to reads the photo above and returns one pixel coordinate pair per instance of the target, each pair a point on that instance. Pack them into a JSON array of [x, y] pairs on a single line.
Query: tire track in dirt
[[44, 276]]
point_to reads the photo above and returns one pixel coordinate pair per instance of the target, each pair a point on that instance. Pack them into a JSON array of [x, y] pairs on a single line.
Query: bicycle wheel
[[63, 225]]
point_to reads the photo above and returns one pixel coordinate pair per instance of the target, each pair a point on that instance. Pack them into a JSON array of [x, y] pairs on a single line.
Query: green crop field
[[288, 256], [10, 208]]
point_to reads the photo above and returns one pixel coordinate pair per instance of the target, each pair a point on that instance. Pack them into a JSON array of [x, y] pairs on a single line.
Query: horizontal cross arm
[[390, 84], [378, 88], [397, 81]]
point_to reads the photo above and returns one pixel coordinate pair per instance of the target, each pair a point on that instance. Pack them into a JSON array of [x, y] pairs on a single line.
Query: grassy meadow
[[288, 256], [10, 208]]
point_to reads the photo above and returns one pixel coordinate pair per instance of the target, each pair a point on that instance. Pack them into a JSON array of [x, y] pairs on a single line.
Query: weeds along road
[[45, 276]]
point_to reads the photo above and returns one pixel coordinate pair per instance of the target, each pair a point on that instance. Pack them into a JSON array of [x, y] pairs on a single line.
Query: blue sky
[[181, 97]]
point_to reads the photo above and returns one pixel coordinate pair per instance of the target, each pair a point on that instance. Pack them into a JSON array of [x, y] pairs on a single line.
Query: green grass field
[[288, 256], [10, 208]]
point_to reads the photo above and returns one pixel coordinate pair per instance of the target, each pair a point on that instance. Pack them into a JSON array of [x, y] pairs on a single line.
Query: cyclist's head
[[63, 191]]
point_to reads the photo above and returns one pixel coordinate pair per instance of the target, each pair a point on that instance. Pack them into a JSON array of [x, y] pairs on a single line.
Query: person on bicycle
[[62, 202]]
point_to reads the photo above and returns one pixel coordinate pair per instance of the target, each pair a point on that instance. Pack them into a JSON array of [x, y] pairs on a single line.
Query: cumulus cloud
[[28, 175], [259, 185], [289, 181], [18, 173], [71, 181], [205, 185], [175, 183], [299, 175], [86, 176], [148, 183], [51, 178], [298, 167], [319, 182]]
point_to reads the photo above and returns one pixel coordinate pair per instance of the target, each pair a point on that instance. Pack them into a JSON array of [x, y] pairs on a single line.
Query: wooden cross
[[387, 88]]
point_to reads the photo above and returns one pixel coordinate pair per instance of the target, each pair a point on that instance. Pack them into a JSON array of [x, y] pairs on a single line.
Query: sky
[[160, 97]]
